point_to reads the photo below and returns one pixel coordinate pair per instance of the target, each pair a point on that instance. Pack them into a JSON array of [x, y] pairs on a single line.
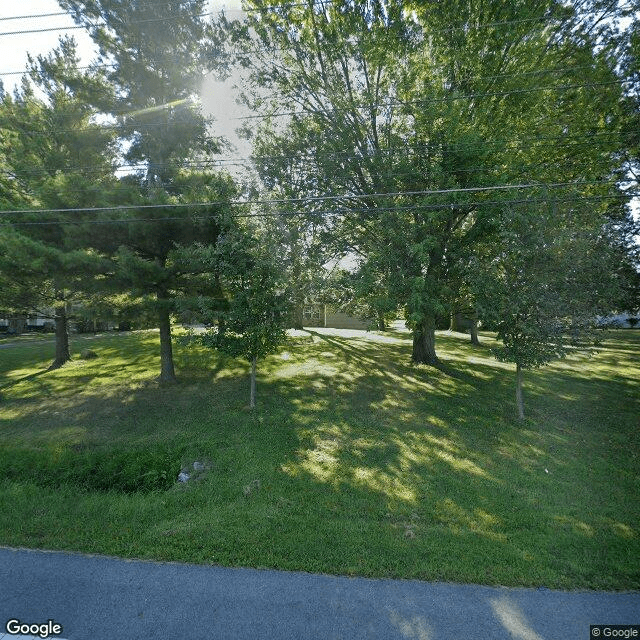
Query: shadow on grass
[[366, 463], [361, 352], [31, 376]]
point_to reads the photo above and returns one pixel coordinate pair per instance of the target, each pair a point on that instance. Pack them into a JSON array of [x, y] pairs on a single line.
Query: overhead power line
[[559, 141], [156, 5], [311, 199], [399, 103], [24, 32], [141, 125], [448, 29], [130, 22], [210, 13], [519, 169], [83, 68], [372, 210], [539, 72], [67, 13], [37, 15], [451, 28], [146, 21]]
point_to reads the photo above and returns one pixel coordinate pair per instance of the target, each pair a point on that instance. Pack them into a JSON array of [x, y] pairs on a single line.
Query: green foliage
[[158, 52], [59, 156], [249, 310], [152, 468], [543, 286], [252, 324], [362, 294], [59, 159], [544, 281], [255, 323], [394, 101]]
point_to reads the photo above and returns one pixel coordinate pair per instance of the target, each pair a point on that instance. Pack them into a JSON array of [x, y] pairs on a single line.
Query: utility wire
[[454, 27], [558, 141], [210, 13], [37, 15], [519, 169], [15, 33], [83, 68], [464, 27], [141, 125], [131, 22], [372, 210], [488, 170], [400, 103], [539, 72], [67, 13], [156, 5], [310, 199]]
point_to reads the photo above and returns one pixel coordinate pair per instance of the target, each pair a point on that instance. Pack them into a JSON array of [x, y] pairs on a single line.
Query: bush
[[128, 471]]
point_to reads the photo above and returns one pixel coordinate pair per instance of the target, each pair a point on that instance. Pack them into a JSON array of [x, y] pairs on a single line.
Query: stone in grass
[[186, 475], [88, 354], [254, 485]]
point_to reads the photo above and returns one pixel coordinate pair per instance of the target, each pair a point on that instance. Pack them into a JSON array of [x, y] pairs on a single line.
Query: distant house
[[45, 322], [20, 323], [324, 315], [624, 320]]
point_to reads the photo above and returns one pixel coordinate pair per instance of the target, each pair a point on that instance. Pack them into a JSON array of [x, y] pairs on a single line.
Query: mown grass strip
[[355, 461]]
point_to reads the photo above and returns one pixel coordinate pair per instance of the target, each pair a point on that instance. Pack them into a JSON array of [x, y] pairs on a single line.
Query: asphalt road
[[104, 598]]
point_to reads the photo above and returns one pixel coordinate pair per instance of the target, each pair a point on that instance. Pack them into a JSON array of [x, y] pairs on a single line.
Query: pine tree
[[62, 161], [159, 53]]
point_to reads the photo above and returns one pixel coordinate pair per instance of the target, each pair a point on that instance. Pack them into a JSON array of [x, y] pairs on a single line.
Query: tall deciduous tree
[[414, 117]]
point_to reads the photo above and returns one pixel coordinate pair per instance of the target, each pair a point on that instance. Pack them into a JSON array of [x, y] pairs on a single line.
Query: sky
[[217, 98], [14, 47]]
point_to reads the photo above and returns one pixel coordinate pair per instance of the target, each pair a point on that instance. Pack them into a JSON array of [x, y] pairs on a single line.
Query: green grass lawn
[[355, 461]]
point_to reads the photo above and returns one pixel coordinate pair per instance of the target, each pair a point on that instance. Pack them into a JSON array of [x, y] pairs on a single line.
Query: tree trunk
[[519, 399], [473, 329], [297, 317], [381, 323], [452, 321], [252, 397], [62, 337], [424, 343], [167, 371], [18, 324]]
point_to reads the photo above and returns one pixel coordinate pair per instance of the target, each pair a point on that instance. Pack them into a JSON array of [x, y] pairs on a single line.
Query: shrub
[[153, 468]]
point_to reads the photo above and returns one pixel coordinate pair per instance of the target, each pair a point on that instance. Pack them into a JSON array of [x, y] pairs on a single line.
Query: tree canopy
[[415, 127], [157, 54], [62, 161], [461, 155]]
